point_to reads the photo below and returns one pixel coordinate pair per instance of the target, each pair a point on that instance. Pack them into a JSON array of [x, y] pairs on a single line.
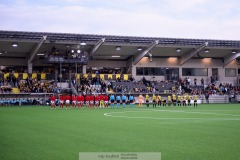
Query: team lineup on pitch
[[116, 101]]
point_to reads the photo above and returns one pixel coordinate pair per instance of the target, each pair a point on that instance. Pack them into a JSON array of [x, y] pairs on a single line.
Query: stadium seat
[[15, 90]]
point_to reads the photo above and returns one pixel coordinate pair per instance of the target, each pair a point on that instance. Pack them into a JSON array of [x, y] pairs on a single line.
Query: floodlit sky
[[204, 19]]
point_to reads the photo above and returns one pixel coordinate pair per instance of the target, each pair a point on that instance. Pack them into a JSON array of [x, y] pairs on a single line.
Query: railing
[[75, 58]]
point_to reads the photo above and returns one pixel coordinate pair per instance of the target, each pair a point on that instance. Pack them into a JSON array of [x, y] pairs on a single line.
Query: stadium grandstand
[[37, 64]]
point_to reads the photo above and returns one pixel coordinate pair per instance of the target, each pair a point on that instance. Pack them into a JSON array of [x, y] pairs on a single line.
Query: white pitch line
[[110, 115], [186, 112], [208, 113]]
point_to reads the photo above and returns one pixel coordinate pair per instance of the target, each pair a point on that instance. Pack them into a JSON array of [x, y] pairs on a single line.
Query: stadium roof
[[106, 46]]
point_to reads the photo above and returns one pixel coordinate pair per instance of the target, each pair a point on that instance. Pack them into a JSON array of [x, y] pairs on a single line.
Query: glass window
[[195, 72], [230, 72], [152, 71], [145, 71], [139, 71], [160, 71]]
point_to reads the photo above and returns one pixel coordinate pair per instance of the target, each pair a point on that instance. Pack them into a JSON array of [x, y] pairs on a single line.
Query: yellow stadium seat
[[15, 90]]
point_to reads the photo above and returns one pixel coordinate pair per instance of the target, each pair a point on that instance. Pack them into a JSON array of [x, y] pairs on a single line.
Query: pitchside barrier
[[31, 96], [238, 98]]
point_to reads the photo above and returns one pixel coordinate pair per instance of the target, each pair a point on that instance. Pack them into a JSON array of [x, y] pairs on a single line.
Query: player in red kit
[[97, 99], [101, 101], [74, 101], [91, 98], [82, 101], [79, 100], [52, 99], [87, 99], [61, 98], [67, 100], [106, 101]]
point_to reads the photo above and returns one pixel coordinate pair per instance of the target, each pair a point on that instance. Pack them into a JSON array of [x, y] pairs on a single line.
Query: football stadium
[[65, 94]]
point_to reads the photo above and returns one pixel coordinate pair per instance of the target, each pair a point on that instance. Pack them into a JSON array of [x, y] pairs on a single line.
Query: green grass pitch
[[209, 132]]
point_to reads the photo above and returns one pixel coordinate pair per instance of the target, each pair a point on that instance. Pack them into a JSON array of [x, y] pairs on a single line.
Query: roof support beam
[[36, 48], [188, 55], [96, 46], [230, 58], [138, 57]]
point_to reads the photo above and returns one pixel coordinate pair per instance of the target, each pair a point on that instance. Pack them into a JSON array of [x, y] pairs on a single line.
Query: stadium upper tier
[[37, 45]]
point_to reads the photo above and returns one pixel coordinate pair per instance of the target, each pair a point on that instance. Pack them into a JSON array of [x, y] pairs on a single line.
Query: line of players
[[176, 100], [102, 101], [91, 101]]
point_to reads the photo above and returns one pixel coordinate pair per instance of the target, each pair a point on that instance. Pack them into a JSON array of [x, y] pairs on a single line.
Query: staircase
[[216, 99]]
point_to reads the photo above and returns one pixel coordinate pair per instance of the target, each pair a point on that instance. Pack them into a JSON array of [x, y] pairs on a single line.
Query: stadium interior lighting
[[1, 53], [206, 50], [207, 58], [40, 54], [72, 51], [83, 43], [139, 48], [116, 56], [178, 50], [118, 48], [78, 51], [234, 51], [14, 44]]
